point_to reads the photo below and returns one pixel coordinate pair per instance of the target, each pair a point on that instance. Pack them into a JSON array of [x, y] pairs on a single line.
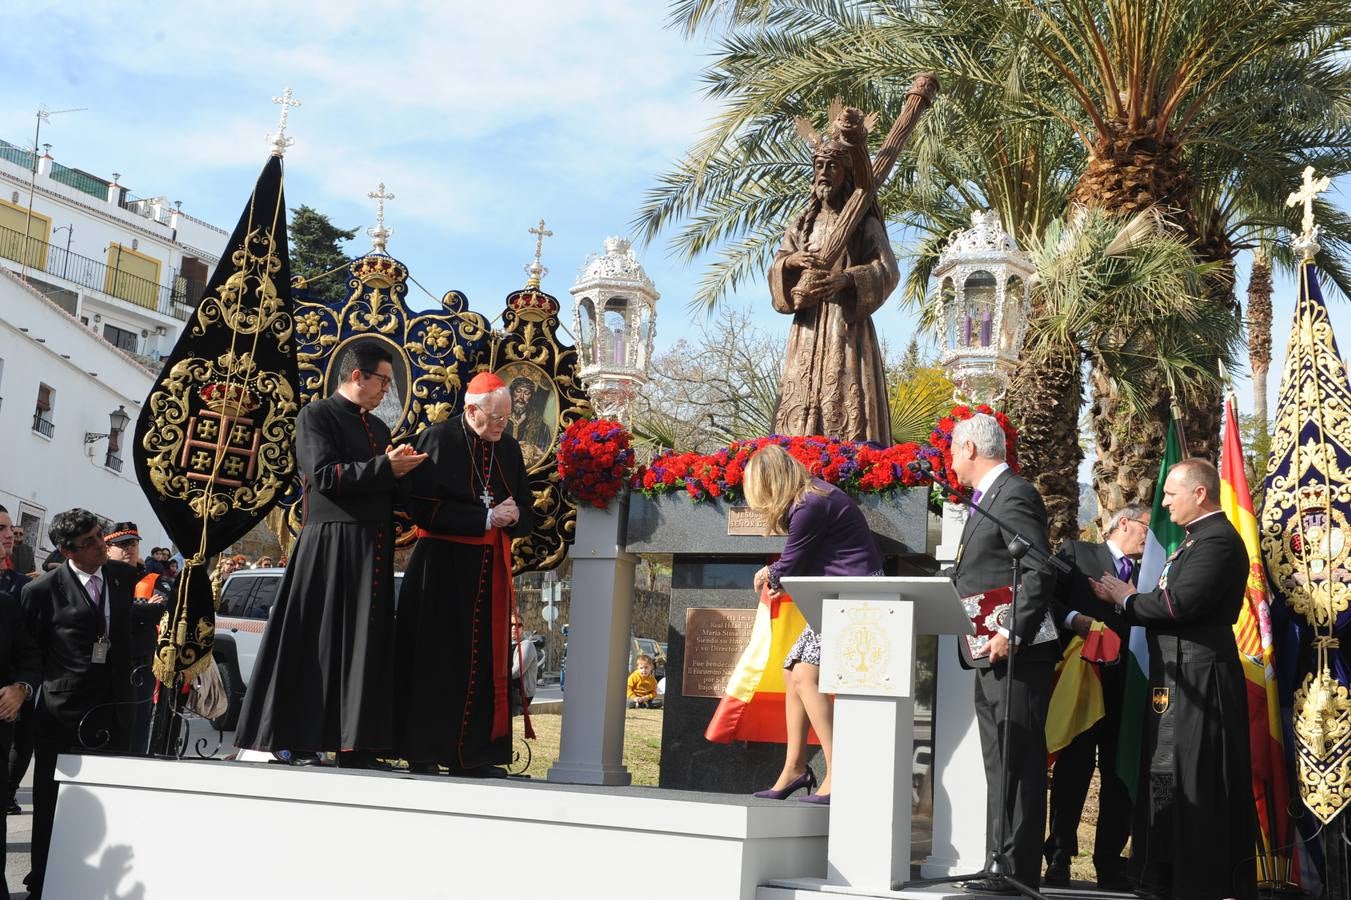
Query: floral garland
[[594, 460], [852, 466], [940, 439]]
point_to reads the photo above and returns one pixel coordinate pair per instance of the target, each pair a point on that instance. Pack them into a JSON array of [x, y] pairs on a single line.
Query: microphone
[[920, 467]]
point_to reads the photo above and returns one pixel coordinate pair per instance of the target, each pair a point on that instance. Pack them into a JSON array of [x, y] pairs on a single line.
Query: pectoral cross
[[281, 141], [1308, 192], [486, 497]]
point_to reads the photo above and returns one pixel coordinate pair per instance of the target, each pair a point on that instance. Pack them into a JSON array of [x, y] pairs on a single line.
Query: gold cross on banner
[[281, 141], [1307, 193]]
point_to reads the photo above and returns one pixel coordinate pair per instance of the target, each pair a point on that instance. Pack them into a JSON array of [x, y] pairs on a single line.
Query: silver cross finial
[[281, 141], [1307, 242], [380, 235], [536, 270]]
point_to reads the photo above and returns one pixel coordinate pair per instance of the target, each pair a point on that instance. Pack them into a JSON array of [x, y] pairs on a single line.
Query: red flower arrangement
[[594, 460], [852, 466], [940, 439]]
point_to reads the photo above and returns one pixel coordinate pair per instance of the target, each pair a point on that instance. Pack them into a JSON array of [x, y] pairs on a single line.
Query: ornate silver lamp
[[614, 316], [982, 280]]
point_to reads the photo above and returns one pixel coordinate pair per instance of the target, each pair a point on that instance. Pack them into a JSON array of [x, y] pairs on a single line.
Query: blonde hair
[[774, 483]]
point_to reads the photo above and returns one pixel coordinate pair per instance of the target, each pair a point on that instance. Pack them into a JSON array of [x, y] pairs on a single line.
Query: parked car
[[653, 649], [246, 601]]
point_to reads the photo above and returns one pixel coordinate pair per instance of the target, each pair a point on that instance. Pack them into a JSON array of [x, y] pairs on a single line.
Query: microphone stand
[[999, 865]]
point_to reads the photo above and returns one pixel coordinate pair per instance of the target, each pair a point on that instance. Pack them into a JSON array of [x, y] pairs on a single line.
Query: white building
[[89, 302]]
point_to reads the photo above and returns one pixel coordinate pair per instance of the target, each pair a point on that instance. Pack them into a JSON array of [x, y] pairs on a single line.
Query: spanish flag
[[752, 708], [1252, 632], [1076, 694]]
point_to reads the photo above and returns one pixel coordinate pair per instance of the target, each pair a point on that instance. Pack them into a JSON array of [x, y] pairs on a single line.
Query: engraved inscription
[[714, 641], [742, 520]]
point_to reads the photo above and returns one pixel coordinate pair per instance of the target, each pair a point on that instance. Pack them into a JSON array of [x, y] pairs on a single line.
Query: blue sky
[[481, 118]]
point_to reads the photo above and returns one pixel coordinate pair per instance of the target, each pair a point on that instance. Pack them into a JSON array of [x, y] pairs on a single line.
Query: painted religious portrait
[[534, 409], [392, 409]]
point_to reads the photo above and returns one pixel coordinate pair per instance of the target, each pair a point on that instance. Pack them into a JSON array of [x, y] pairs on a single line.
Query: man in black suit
[[1076, 609], [81, 616], [984, 564], [19, 666]]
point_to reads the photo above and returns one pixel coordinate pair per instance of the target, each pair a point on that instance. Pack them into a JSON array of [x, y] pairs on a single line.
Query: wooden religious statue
[[834, 268]]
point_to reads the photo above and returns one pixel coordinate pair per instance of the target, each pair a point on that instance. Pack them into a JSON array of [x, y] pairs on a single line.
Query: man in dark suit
[[81, 617], [19, 666], [984, 564], [1076, 609]]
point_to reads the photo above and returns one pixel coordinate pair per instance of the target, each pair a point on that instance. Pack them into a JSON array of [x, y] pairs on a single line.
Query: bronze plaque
[[714, 641], [742, 520]]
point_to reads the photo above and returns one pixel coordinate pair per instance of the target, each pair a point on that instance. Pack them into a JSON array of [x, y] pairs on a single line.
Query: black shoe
[[423, 768], [1057, 875], [479, 772], [995, 884], [362, 759], [14, 809], [1117, 883], [304, 759]]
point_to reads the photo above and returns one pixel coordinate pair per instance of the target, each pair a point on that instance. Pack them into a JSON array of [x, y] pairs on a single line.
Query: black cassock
[[453, 636], [1197, 825], [324, 673]]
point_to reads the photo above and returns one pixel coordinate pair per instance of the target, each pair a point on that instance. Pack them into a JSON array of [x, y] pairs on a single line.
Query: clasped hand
[[761, 577], [505, 514], [1111, 589], [11, 699], [403, 459], [821, 288]]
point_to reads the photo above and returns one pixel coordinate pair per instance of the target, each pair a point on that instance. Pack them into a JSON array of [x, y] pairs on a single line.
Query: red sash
[[503, 604]]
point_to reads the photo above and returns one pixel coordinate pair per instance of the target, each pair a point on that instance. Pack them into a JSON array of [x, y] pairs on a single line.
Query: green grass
[[642, 744]]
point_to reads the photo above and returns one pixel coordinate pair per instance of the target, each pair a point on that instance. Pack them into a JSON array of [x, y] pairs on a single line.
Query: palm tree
[[1175, 103], [1129, 300], [1259, 357]]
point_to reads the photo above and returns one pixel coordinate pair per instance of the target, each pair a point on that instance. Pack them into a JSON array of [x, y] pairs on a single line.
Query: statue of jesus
[[833, 383]]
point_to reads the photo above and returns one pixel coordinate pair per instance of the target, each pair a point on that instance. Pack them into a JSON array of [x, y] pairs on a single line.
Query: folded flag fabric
[[752, 709], [1076, 697]]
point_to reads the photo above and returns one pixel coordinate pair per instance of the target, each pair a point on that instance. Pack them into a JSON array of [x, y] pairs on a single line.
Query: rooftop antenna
[[43, 114]]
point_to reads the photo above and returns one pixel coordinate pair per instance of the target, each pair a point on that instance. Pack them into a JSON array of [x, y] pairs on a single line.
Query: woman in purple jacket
[[827, 535]]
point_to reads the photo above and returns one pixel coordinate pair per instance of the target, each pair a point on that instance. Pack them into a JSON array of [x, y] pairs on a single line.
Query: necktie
[[1123, 568], [975, 497]]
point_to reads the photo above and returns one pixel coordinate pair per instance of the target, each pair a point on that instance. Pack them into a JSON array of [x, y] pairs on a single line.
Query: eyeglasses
[[90, 542], [385, 380], [496, 420]]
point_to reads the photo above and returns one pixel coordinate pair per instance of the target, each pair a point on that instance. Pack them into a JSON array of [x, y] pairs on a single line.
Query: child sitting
[[642, 687]]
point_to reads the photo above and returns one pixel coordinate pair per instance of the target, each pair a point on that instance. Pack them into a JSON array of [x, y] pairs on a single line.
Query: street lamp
[[70, 233], [118, 420]]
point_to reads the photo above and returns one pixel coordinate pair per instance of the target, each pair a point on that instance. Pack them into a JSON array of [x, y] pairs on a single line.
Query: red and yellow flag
[[1252, 632], [752, 709]]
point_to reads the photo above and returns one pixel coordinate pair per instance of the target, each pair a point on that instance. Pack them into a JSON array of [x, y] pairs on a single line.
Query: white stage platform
[[215, 829]]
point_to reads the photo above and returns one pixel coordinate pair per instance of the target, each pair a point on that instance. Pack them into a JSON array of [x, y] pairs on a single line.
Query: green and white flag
[[1164, 538]]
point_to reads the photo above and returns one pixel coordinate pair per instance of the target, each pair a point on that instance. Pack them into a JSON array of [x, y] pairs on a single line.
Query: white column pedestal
[[591, 747], [959, 771], [869, 843]]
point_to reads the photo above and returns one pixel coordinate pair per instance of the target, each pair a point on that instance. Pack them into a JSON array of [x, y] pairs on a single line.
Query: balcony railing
[[93, 274], [43, 426], [113, 462]]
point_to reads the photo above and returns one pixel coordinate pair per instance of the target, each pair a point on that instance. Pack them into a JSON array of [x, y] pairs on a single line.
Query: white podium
[[868, 628]]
